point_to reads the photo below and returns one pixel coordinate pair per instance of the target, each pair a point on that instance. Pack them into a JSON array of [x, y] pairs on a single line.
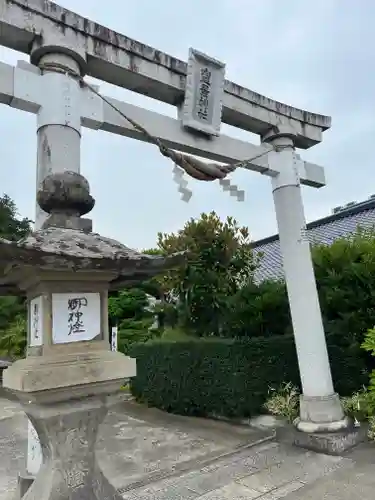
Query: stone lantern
[[70, 377]]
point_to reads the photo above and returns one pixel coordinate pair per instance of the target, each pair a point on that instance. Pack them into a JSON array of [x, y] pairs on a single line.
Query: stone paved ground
[[268, 472], [136, 444], [152, 456]]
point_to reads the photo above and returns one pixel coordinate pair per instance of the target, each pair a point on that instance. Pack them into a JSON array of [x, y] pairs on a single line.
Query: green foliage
[[12, 309], [371, 431], [345, 273], [258, 310], [229, 377], [134, 331], [368, 396], [369, 342], [369, 346], [358, 405], [129, 309], [219, 260], [174, 335], [284, 401], [13, 340], [127, 304], [153, 251], [11, 227]]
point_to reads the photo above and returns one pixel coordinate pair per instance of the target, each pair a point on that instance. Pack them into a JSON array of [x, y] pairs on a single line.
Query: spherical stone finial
[[66, 193]]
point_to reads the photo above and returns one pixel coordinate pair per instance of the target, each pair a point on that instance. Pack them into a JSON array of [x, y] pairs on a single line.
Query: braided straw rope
[[184, 163]]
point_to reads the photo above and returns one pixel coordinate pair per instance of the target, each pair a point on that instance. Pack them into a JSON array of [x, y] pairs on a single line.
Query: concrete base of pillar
[[321, 415], [333, 443], [322, 427], [25, 480]]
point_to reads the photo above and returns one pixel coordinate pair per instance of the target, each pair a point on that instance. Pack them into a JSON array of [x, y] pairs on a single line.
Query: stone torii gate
[[57, 38]]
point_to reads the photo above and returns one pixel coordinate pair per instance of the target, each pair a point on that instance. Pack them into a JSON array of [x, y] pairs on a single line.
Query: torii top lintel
[[119, 60]]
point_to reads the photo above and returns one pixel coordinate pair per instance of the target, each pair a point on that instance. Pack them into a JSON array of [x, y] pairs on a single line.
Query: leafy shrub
[[369, 346], [284, 402], [229, 377], [358, 405], [174, 335], [371, 431], [258, 310], [134, 331], [13, 340], [345, 274], [127, 304]]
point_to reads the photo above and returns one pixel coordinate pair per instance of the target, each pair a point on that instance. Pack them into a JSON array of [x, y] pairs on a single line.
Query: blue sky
[[314, 54]]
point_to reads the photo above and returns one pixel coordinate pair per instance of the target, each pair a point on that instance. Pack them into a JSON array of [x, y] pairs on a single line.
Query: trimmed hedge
[[226, 377]]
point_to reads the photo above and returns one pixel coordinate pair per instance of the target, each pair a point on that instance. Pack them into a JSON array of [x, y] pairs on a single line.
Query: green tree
[[345, 273], [12, 309], [259, 310], [219, 260], [11, 226], [127, 304], [129, 310], [13, 339]]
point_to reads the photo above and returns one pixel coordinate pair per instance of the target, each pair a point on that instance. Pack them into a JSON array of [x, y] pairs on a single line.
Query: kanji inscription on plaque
[[36, 321], [75, 317], [203, 93]]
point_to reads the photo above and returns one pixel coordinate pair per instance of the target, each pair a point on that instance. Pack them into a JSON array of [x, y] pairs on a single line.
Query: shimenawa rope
[[184, 163]]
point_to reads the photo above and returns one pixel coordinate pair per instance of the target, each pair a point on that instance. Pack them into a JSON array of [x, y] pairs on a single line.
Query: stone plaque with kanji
[[203, 94], [75, 317], [36, 321]]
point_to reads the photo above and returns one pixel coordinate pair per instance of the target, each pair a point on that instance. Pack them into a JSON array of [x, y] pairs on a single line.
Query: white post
[[321, 410], [59, 123], [114, 333]]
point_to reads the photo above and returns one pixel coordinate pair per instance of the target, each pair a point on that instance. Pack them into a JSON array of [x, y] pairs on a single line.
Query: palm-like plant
[[13, 340]]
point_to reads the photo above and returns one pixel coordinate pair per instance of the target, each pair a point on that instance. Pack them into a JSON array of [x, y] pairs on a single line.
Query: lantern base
[[68, 432]]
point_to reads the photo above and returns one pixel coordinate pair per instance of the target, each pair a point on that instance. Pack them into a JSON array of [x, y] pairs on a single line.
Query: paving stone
[[266, 480], [204, 482], [231, 468], [256, 459], [355, 483], [232, 491], [283, 491], [162, 491], [304, 468]]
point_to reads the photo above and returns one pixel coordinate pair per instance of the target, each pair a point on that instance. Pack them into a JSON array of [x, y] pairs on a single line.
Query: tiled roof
[[325, 231]]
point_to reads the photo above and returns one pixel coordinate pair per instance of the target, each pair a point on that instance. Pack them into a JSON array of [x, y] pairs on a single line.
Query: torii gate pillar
[[59, 118], [320, 407]]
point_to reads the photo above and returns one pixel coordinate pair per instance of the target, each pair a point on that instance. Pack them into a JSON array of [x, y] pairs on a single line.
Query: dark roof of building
[[346, 220]]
